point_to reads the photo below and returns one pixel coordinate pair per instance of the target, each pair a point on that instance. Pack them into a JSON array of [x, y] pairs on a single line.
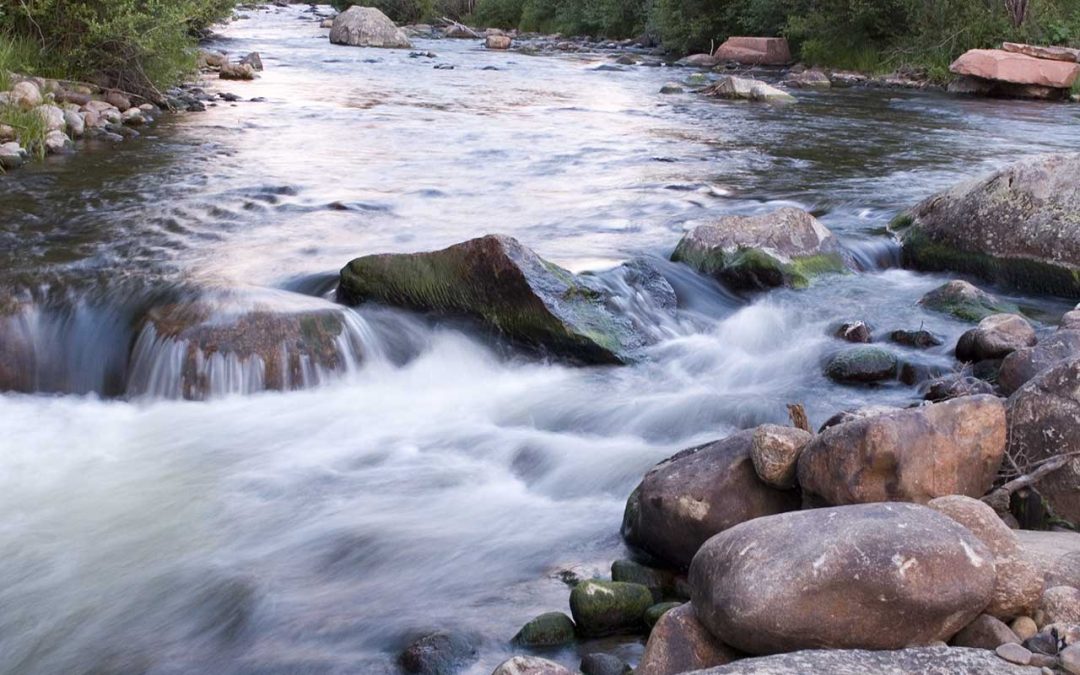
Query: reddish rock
[[497, 42], [679, 644], [996, 64], [755, 51], [1039, 52]]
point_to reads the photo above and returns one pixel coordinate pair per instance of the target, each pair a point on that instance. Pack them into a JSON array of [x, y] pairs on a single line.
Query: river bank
[[446, 479]]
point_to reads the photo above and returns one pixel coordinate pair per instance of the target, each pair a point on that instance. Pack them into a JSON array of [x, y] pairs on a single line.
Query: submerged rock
[[680, 644], [603, 608], [1016, 226], [876, 576], [509, 288], [784, 248], [367, 27], [965, 302], [918, 454], [497, 42], [915, 661], [688, 498], [442, 653]]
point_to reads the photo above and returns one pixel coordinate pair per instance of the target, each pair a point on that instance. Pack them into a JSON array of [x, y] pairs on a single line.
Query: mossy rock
[[1018, 227], [965, 302], [553, 629], [862, 365], [602, 608], [788, 247], [506, 286], [660, 582], [653, 614]]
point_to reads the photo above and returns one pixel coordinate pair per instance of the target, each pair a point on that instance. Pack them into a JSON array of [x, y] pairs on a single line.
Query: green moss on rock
[[653, 614], [862, 365], [602, 608], [553, 629]]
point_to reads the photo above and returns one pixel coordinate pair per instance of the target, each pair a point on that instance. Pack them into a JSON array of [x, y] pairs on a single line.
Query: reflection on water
[[433, 478]]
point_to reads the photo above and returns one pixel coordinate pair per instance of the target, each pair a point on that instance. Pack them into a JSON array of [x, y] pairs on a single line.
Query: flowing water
[[418, 475]]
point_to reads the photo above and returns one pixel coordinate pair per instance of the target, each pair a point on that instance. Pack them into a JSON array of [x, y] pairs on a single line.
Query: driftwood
[[998, 498], [799, 420]]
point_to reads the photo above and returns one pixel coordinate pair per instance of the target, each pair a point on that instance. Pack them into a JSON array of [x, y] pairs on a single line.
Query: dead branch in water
[[999, 497], [799, 420]]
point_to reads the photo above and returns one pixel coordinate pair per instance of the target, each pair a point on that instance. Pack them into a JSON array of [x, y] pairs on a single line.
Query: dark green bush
[[607, 18], [413, 11]]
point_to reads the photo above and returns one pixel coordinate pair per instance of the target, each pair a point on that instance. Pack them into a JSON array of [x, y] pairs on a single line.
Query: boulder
[[509, 288], [603, 608], [654, 613], [442, 653], [367, 27], [604, 664], [497, 42], [254, 59], [75, 123], [1056, 554], [1070, 320], [679, 644], [52, 116], [917, 661], [695, 494], [25, 95], [1016, 227], [985, 632], [758, 51], [808, 79], [872, 576], [1019, 583], [965, 301], [745, 89], [1023, 365], [1014, 68], [1039, 52], [995, 337], [12, 155], [530, 665], [1070, 659], [1024, 627], [862, 365], [699, 61], [671, 88], [950, 448], [1060, 604], [237, 71], [786, 247], [661, 583], [553, 629], [845, 416], [461, 32], [1043, 423], [1014, 653], [775, 452], [117, 99]]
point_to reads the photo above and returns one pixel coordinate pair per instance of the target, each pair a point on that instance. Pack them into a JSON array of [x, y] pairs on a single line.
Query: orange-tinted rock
[[755, 51], [1039, 52], [996, 64], [679, 644]]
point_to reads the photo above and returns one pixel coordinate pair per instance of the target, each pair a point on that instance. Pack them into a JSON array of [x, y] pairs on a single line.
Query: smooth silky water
[[437, 479]]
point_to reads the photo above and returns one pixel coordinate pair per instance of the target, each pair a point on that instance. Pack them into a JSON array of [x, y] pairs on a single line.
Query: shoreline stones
[[995, 337], [508, 288], [1014, 227], [875, 576], [697, 493], [942, 449], [784, 248]]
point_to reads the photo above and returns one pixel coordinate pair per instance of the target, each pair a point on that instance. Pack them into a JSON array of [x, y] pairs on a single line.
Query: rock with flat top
[[758, 51], [745, 89], [1003, 66], [1052, 53]]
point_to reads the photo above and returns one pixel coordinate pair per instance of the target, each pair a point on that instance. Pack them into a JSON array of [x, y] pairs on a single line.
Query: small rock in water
[[441, 653], [254, 60], [995, 337], [1014, 653], [660, 582], [854, 331], [57, 143], [920, 339], [965, 302], [547, 630], [862, 365], [237, 71], [604, 664], [425, 55], [231, 98], [671, 88], [444, 66]]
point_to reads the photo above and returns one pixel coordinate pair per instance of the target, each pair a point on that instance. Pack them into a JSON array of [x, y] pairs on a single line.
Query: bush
[[606, 18], [135, 45]]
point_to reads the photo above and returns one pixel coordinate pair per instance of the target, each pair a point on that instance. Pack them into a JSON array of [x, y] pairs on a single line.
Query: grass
[[30, 128]]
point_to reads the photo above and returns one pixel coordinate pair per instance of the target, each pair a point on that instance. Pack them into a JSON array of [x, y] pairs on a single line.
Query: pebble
[[1014, 653]]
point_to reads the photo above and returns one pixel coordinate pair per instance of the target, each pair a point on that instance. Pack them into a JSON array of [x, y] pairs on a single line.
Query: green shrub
[[30, 128], [606, 18]]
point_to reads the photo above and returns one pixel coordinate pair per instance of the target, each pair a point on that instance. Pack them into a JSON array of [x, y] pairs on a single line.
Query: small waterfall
[[872, 255]]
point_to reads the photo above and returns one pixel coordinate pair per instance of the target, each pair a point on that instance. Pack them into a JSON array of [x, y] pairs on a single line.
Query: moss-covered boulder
[[509, 288], [553, 629], [965, 301], [1019, 226], [784, 248], [653, 614], [603, 608], [862, 365], [662, 583]]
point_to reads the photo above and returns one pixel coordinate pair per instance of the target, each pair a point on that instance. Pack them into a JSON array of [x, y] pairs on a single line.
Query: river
[[437, 480]]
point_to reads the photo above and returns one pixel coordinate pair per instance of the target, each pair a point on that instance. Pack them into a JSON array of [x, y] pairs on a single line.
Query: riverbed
[[442, 481]]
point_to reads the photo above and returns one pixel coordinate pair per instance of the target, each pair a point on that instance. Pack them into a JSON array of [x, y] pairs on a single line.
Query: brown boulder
[[775, 453], [679, 643], [1024, 364], [985, 632], [997, 64], [1060, 604], [1040, 52], [497, 42], [695, 494], [755, 51], [1043, 423], [873, 576], [949, 448], [995, 337]]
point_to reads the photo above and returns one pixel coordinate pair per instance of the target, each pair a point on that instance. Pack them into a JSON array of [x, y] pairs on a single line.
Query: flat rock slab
[[918, 661], [1052, 53], [761, 51], [998, 64]]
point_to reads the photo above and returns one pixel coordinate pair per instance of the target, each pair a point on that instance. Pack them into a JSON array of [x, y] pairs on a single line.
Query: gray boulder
[[862, 365], [1016, 226], [745, 89], [695, 494], [367, 27], [873, 576], [784, 248], [917, 661]]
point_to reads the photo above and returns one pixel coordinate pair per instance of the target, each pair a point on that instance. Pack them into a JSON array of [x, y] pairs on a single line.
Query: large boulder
[[679, 643], [995, 337], [509, 288], [783, 248], [603, 608], [746, 89], [1024, 364], [1040, 52], [965, 302], [872, 576], [1056, 554], [367, 27], [1044, 422], [918, 661], [763, 51], [915, 455], [1017, 227], [1006, 66], [1020, 581], [694, 495]]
